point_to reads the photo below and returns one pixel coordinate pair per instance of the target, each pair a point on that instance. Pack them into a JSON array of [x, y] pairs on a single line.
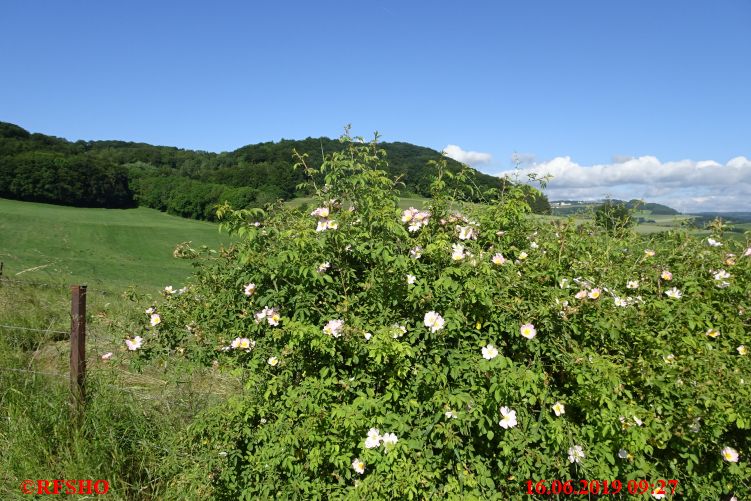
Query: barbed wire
[[89, 289], [45, 373], [145, 390], [144, 384], [143, 387], [94, 334], [111, 377], [18, 327], [30, 283]]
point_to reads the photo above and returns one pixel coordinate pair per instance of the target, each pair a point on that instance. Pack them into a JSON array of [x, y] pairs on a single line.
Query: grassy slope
[[111, 249], [105, 248]]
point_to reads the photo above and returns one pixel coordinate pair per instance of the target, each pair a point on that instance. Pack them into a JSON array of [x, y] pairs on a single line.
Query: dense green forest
[[189, 183]]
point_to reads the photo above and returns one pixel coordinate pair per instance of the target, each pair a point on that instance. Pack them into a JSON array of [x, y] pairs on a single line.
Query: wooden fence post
[[77, 346]]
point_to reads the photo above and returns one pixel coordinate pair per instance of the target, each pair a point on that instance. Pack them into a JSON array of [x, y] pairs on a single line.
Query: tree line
[[189, 183]]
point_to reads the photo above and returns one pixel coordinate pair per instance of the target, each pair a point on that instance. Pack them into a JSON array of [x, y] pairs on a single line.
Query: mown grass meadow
[[105, 248]]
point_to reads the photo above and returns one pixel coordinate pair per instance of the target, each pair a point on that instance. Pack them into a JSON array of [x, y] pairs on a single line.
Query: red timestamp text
[[600, 487]]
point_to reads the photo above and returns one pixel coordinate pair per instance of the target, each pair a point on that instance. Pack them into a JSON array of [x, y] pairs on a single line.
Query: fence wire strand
[[18, 327], [107, 376], [29, 283], [45, 373]]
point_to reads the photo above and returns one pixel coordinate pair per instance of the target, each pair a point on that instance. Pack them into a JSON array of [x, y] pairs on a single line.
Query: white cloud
[[467, 157], [686, 185]]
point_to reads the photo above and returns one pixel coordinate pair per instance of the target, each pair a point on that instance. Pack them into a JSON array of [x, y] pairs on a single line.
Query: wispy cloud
[[472, 158], [619, 159], [686, 185], [523, 158]]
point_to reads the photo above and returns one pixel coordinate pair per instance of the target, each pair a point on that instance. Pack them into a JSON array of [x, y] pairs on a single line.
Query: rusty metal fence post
[[77, 347]]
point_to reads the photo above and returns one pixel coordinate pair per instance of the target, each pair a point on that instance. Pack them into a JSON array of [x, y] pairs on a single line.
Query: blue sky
[[598, 82]]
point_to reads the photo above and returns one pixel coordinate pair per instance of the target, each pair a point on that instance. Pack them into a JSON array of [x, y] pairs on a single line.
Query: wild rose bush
[[460, 350]]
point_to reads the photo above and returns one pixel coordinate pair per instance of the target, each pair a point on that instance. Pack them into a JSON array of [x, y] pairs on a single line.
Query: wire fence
[[54, 350], [60, 286], [30, 371], [18, 327], [64, 377]]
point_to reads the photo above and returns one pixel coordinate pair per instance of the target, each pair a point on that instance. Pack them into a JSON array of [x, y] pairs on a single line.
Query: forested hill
[[42, 168]]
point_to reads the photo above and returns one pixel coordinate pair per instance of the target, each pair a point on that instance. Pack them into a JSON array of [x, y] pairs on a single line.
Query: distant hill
[[739, 217], [189, 183], [653, 208], [569, 207]]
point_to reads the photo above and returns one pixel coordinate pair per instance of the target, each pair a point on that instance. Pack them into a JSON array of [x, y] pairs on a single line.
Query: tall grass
[[131, 427], [117, 440]]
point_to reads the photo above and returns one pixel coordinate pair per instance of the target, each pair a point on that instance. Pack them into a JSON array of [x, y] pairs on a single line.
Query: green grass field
[[132, 416], [108, 249], [105, 248], [112, 248]]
